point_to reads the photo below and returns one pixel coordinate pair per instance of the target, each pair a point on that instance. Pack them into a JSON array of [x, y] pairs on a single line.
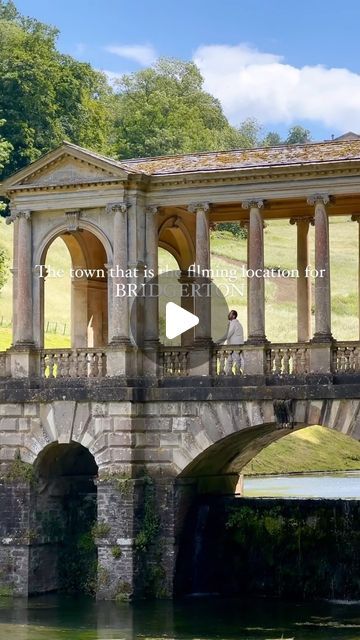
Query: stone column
[[256, 292], [203, 301], [303, 284], [119, 361], [24, 306], [151, 316], [356, 218], [322, 265], [120, 316], [245, 225], [187, 303]]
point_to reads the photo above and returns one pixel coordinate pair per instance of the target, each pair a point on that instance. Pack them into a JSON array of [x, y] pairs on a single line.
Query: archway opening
[[74, 299], [283, 544], [63, 555]]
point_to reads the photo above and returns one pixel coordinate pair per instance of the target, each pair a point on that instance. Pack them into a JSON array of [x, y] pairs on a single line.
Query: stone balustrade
[[174, 362], [280, 359], [288, 359], [346, 357], [77, 363], [228, 361]]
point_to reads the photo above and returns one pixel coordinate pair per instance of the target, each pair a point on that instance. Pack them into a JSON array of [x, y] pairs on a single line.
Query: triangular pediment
[[67, 165]]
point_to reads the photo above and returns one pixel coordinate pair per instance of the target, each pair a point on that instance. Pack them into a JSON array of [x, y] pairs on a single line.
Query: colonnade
[[119, 330]]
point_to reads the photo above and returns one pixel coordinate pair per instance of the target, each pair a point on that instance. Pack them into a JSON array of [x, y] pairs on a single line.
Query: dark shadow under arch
[[63, 556]]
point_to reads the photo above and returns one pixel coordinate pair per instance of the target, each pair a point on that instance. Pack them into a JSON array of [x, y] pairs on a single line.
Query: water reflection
[[320, 485], [57, 617]]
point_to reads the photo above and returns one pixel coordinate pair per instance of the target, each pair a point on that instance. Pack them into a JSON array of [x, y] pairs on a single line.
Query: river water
[[318, 485], [65, 618], [57, 617]]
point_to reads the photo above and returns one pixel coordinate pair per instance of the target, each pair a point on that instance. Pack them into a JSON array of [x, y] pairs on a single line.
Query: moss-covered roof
[[311, 153]]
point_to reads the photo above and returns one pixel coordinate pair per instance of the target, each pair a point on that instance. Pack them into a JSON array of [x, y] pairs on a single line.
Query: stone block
[[8, 424], [31, 409], [120, 409], [169, 408], [147, 439], [10, 410], [170, 439], [24, 424], [122, 424], [189, 409], [120, 439]]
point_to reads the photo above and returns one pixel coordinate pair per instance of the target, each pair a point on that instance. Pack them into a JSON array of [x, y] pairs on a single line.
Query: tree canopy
[[165, 110], [46, 97]]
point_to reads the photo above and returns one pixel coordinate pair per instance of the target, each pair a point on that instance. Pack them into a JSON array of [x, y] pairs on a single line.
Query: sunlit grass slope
[[311, 449]]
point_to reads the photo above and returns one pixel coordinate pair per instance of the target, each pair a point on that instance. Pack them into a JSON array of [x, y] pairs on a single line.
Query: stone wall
[[286, 548], [152, 445]]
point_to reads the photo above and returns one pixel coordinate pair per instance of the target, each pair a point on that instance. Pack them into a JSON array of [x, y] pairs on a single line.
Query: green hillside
[[311, 449]]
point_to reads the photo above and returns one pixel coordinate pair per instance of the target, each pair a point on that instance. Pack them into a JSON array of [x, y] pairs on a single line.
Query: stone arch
[[89, 249], [224, 431], [65, 422], [175, 237]]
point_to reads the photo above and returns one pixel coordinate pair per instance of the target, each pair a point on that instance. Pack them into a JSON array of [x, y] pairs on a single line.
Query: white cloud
[[251, 83], [144, 54]]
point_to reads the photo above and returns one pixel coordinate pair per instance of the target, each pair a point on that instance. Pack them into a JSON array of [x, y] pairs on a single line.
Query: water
[[64, 618], [56, 617], [318, 485]]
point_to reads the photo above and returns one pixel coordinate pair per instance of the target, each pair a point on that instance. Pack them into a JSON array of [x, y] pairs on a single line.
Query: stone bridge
[[132, 440]]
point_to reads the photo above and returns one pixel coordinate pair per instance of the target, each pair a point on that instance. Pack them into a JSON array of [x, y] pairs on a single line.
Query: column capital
[[194, 207], [318, 198], [298, 219], [152, 209], [117, 207], [253, 203], [24, 213]]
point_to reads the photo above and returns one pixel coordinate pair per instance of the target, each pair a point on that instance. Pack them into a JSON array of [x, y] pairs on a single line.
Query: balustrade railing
[[288, 359], [346, 357], [174, 362], [281, 359], [228, 361], [73, 363]]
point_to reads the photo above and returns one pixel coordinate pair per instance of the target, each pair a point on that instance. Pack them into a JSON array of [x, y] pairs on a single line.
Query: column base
[[120, 360], [200, 359], [257, 340], [254, 359], [322, 338], [24, 360], [321, 357]]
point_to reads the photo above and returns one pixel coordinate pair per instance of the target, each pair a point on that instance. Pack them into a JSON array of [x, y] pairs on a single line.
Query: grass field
[[311, 449], [229, 252]]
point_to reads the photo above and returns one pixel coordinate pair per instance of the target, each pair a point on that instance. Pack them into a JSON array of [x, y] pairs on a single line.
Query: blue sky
[[281, 62]]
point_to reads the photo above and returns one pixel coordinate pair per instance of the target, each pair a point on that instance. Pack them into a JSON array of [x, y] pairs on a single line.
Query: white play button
[[178, 320]]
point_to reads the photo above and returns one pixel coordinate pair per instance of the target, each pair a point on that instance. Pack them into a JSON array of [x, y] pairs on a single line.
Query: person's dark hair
[[234, 312]]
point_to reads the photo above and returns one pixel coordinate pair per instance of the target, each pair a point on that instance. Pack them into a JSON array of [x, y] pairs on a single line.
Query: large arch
[[222, 442], [90, 253], [63, 555]]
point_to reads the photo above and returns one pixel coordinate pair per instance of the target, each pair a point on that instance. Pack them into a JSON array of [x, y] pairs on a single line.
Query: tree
[[272, 139], [44, 95], [4, 266], [298, 135], [165, 110]]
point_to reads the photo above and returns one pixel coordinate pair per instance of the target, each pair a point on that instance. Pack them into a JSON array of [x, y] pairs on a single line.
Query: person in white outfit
[[233, 336]]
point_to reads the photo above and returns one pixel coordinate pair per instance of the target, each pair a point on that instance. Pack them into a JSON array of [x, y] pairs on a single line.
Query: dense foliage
[[46, 96]]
